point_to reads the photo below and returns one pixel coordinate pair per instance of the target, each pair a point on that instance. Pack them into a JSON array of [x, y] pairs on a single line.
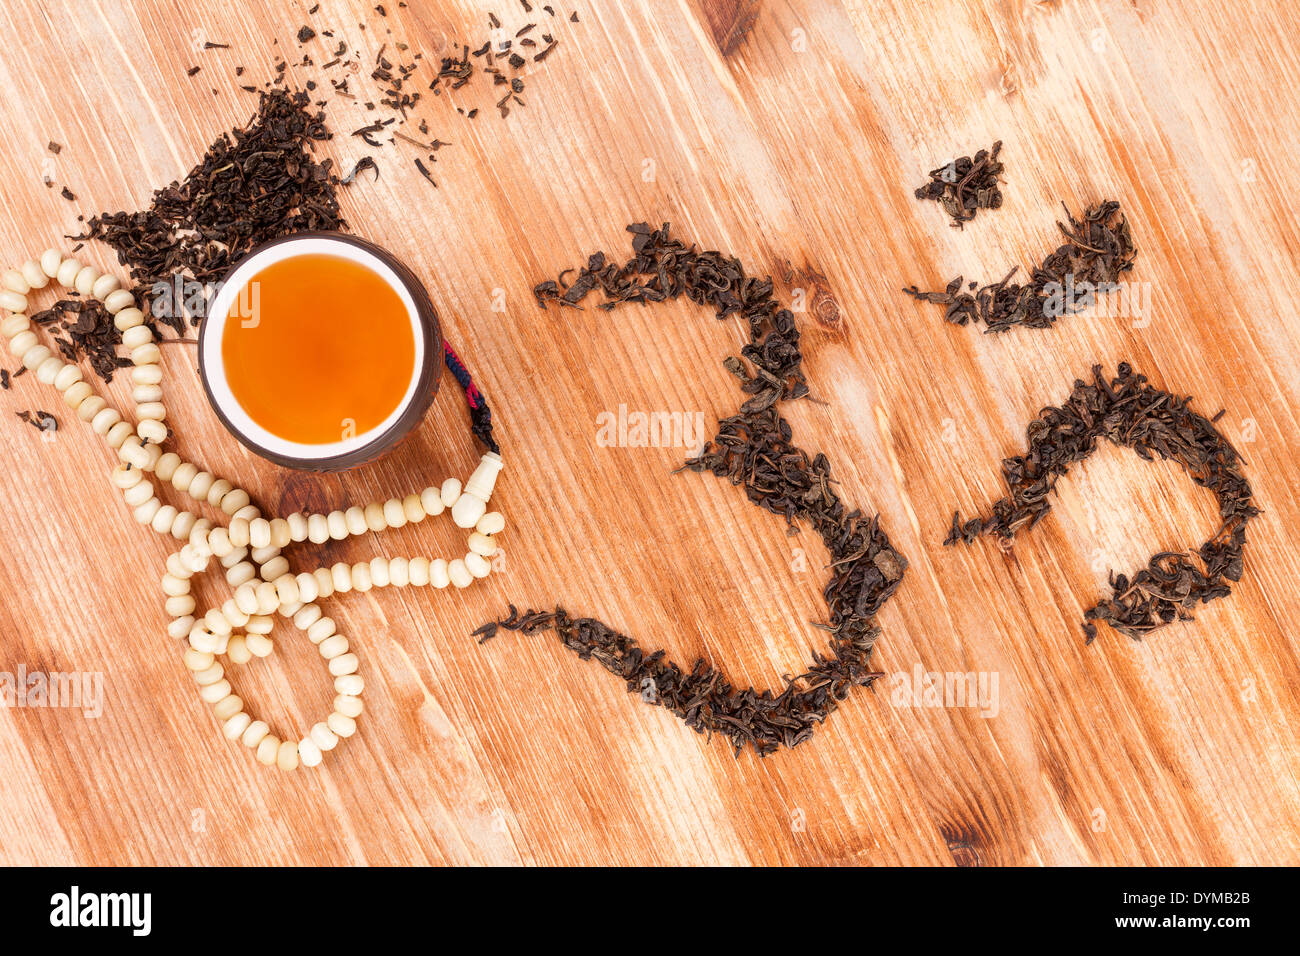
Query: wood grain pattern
[[791, 134]]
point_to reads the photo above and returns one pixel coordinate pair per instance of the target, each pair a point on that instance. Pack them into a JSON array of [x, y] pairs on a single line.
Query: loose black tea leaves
[[753, 449], [84, 328], [1098, 249], [1128, 411], [255, 184], [966, 185]]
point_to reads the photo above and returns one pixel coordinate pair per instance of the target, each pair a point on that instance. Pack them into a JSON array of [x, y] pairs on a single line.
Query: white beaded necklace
[[249, 548]]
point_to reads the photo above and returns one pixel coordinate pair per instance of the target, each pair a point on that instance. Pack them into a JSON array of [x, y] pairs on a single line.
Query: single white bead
[[145, 512], [84, 282], [218, 490], [267, 598], [259, 644], [237, 650], [124, 477], [318, 529], [182, 525], [118, 433], [91, 407], [152, 430], [268, 748], [342, 725], [459, 574], [199, 485], [162, 521], [308, 590], [308, 752], [202, 639], [241, 573], [399, 572], [67, 273], [219, 542], [337, 525], [235, 726], [342, 574], [308, 615], [146, 355], [14, 282], [467, 510], [276, 567], [494, 522], [280, 537], [259, 533], [297, 526], [431, 501], [34, 356], [216, 622], [180, 606], [21, 342], [34, 275], [227, 707], [419, 572], [439, 573], [130, 321], [183, 475], [137, 494], [413, 509], [260, 624], [478, 565], [104, 285], [355, 518], [449, 492], [324, 582], [51, 259], [238, 531], [254, 732], [380, 576], [344, 664], [361, 580], [15, 302], [347, 705], [77, 393], [374, 513], [394, 515], [231, 612], [286, 758], [166, 466], [215, 692], [156, 411], [480, 543], [48, 370], [147, 374], [196, 661], [350, 684], [68, 375], [321, 629], [333, 646], [135, 337], [115, 302], [323, 737], [180, 627], [286, 586], [14, 325]]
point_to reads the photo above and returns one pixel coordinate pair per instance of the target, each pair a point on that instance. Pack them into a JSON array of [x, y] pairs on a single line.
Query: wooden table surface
[[791, 134]]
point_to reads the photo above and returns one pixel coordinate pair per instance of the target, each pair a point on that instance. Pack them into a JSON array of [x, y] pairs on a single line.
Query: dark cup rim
[[427, 383]]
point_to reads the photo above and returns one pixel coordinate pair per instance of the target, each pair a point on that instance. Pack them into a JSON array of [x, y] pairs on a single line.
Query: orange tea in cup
[[315, 349]]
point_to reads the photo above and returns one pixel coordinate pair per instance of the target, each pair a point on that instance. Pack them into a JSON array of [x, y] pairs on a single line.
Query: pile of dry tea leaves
[[966, 185], [255, 184], [1097, 250], [83, 327], [1128, 411], [752, 449]]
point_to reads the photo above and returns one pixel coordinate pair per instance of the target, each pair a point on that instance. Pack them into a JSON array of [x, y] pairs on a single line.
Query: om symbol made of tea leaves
[[1128, 411], [752, 448]]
